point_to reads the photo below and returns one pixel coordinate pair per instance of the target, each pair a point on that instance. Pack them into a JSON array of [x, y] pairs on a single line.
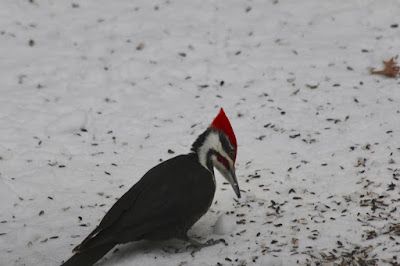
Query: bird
[[169, 199]]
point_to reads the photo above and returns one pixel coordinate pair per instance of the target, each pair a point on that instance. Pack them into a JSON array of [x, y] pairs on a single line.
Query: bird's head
[[217, 147]]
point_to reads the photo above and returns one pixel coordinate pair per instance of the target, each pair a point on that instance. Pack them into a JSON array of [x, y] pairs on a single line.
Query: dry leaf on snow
[[391, 68]]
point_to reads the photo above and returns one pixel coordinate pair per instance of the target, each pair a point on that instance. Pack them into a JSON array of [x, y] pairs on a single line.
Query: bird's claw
[[213, 242], [198, 246], [173, 250]]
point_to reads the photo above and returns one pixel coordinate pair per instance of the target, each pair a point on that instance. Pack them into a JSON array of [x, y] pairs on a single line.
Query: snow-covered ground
[[93, 93]]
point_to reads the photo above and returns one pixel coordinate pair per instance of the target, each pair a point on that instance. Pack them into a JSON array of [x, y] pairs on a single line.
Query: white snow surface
[[226, 224], [94, 93]]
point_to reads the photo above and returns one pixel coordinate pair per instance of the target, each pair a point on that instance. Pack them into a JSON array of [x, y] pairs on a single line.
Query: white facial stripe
[[225, 155], [230, 145], [217, 163], [212, 142]]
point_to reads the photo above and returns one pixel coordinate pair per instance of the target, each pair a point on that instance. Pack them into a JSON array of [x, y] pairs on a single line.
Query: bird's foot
[[198, 245], [173, 250]]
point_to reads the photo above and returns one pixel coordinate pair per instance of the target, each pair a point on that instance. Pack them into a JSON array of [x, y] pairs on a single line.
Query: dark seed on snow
[[41, 213], [312, 86], [243, 221], [140, 46]]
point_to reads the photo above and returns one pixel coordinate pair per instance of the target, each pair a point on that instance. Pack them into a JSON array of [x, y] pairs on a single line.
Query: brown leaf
[[391, 68]]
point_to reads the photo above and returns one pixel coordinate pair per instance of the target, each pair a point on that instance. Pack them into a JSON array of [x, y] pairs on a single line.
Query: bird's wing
[[182, 187], [120, 206], [168, 193]]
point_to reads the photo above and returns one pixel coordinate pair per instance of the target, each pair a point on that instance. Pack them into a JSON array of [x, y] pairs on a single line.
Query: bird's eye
[[232, 153]]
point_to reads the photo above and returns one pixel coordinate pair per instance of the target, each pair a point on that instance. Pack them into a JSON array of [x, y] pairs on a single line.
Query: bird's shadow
[[128, 252]]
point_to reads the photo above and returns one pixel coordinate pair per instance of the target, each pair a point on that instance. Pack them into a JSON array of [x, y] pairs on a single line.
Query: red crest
[[221, 122]]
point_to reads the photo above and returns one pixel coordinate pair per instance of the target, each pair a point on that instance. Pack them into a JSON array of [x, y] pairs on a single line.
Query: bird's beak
[[231, 177]]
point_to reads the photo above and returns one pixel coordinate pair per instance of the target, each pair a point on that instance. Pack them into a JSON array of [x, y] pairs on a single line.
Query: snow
[[67, 123], [270, 260], [226, 224], [95, 93]]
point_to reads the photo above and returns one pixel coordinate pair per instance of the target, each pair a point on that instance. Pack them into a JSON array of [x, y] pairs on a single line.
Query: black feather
[[89, 257], [164, 204]]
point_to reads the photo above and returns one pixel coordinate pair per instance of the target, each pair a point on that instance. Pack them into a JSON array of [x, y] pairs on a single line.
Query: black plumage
[[154, 208]]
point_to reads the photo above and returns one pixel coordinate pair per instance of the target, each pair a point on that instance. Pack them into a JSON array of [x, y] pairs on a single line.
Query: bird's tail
[[89, 256]]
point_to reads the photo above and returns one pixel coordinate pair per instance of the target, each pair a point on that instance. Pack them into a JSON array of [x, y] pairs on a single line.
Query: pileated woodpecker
[[168, 199]]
